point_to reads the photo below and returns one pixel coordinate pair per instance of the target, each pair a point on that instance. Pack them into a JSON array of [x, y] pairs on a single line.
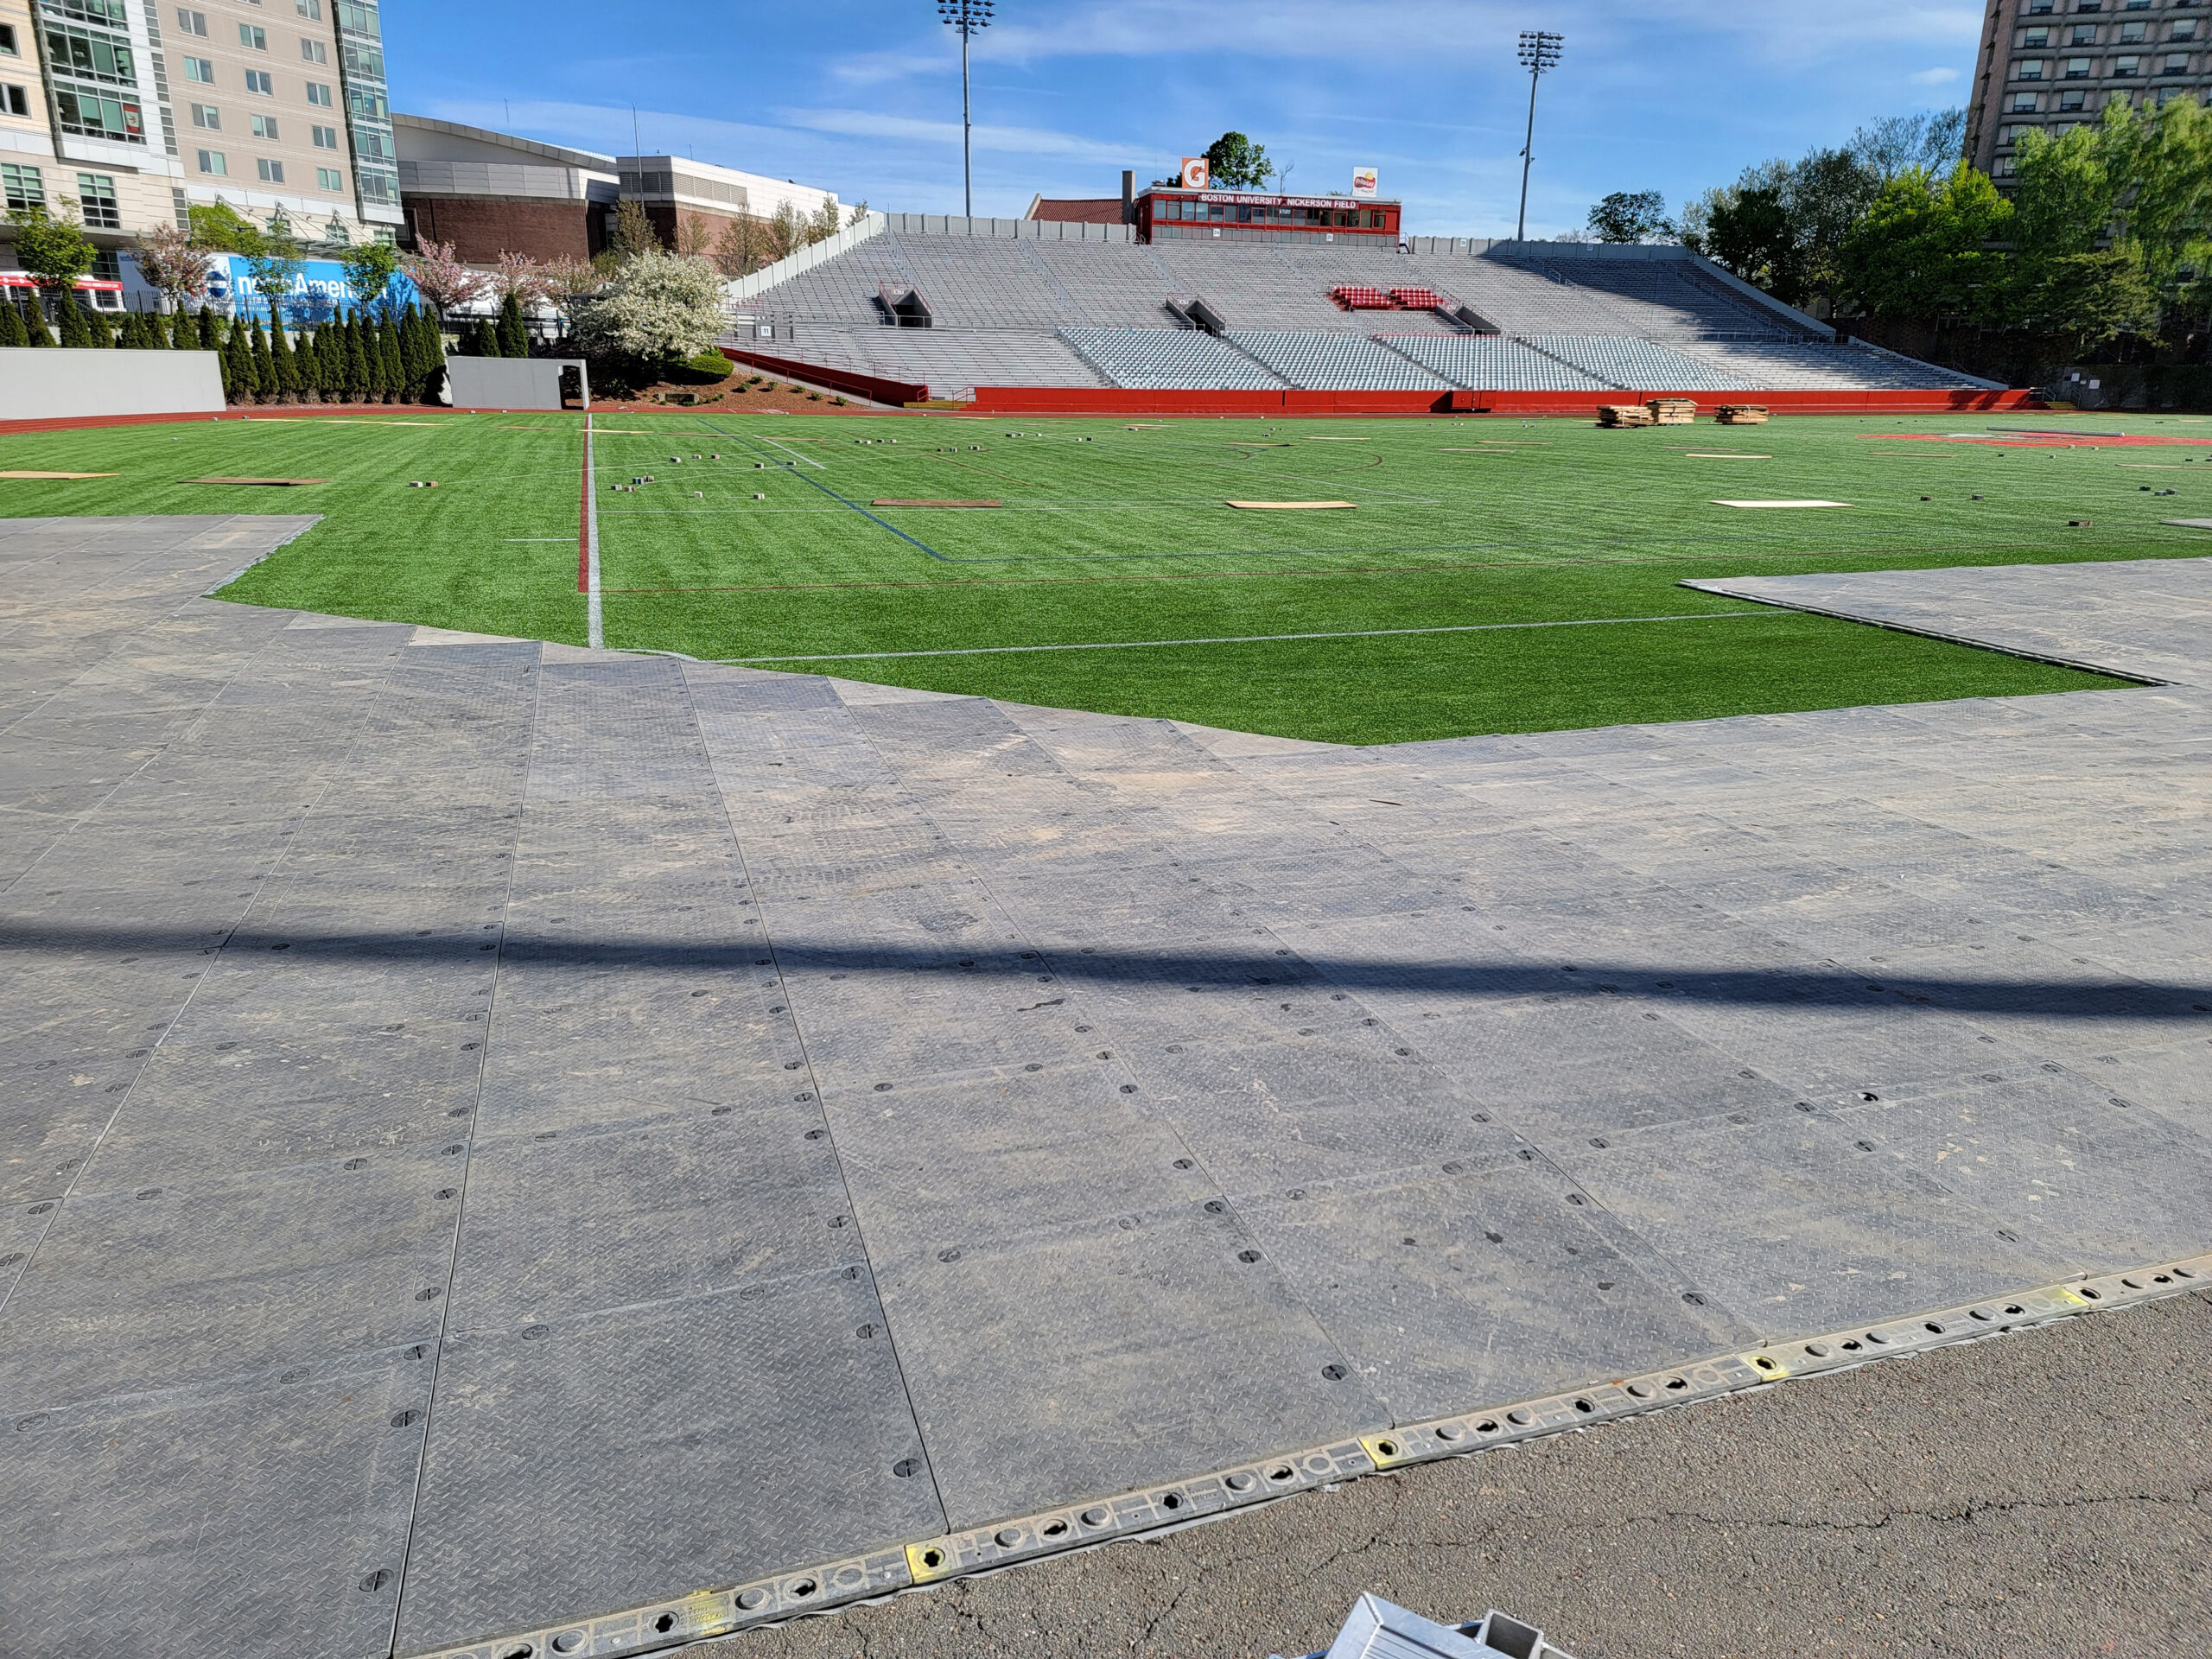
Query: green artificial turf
[[1111, 535]]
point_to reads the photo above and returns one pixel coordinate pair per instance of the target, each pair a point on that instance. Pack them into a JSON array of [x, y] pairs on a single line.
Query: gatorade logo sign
[[1195, 173]]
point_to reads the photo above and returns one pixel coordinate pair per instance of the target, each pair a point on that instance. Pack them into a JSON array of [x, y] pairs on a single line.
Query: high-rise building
[[2051, 64], [134, 110]]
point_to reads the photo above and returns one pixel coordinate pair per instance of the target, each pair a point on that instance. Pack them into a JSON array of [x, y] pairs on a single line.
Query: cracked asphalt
[[2038, 1495]]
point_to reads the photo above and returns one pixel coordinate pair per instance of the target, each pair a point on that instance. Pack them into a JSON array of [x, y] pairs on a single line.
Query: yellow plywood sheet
[[1291, 507], [60, 474]]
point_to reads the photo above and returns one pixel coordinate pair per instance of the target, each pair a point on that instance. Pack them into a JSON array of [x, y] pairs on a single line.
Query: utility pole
[[1539, 50], [970, 17]]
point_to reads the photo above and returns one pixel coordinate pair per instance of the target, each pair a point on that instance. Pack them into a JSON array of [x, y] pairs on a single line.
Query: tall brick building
[[2051, 64]]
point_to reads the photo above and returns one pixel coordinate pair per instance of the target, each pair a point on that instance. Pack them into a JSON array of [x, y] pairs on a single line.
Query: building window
[[24, 186], [191, 22], [257, 80], [324, 137], [253, 37], [2084, 35], [318, 92], [2177, 64], [2070, 101], [2038, 8], [2077, 68], [2126, 67], [2028, 69], [2023, 102], [96, 197], [88, 56], [2185, 29], [2130, 34], [264, 126], [329, 178], [99, 115], [315, 52], [211, 161], [207, 118], [14, 100], [200, 70], [7, 47], [2036, 37], [271, 172], [310, 8]]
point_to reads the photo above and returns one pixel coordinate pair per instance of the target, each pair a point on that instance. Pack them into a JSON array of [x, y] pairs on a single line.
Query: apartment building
[[2049, 64], [129, 112]]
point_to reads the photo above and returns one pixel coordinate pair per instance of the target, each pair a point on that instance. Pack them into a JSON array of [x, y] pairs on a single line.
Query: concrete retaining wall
[[510, 381], [67, 382]]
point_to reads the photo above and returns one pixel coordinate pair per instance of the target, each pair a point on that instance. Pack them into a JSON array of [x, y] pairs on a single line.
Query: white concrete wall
[[67, 383], [509, 382]]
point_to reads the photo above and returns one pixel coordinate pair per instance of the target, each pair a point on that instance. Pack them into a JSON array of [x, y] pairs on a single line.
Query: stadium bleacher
[[1025, 312]]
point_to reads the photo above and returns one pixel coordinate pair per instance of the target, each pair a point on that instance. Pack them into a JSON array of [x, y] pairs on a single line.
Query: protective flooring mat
[[501, 1147]]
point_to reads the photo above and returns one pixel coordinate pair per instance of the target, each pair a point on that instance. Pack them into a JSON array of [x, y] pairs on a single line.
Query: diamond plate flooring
[[494, 1134]]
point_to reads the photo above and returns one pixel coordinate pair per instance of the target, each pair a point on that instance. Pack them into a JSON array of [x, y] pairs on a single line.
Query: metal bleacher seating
[[1489, 362], [1007, 311], [1160, 357], [1336, 362]]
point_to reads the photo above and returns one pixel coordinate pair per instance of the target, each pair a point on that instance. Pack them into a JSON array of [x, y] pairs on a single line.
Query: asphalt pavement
[[2040, 1495]]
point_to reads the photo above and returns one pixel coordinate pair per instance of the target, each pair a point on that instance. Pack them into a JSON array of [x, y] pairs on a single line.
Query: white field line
[[1255, 638], [805, 460], [594, 613]]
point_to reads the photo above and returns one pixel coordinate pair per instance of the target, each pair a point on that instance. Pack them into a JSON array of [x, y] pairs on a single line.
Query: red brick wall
[[481, 228]]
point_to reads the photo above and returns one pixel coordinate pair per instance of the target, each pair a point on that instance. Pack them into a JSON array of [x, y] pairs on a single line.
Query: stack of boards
[[1660, 411], [1677, 411]]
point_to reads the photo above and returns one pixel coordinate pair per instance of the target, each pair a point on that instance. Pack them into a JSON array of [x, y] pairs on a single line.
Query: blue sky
[[862, 97]]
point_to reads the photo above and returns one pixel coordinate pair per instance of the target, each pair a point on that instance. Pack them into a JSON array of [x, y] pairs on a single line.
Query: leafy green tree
[[12, 331], [221, 228], [97, 335], [1750, 232], [54, 250], [369, 267], [2088, 299], [1921, 250], [484, 339], [1235, 162], [392, 369], [211, 334], [35, 324], [1632, 216], [631, 232]]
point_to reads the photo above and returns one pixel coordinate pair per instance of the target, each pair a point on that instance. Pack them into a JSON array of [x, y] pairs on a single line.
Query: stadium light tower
[[1539, 50], [970, 17]]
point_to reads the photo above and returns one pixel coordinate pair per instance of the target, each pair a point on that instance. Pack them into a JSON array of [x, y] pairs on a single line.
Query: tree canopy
[[1235, 162], [1632, 216]]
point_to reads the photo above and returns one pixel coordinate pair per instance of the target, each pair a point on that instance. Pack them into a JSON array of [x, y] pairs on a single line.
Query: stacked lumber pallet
[[1624, 415], [1672, 411], [1741, 415]]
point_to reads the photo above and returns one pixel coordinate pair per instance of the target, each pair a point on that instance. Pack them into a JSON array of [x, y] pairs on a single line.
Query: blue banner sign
[[318, 290]]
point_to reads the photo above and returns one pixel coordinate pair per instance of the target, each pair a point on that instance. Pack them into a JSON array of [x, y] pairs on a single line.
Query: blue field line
[[834, 496]]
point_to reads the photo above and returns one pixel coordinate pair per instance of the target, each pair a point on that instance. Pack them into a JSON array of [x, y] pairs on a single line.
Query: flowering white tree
[[171, 265], [441, 279], [568, 280], [657, 305]]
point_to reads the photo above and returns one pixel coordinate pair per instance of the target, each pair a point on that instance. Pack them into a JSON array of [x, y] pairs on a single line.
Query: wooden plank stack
[[1624, 414], [1741, 415], [1672, 411]]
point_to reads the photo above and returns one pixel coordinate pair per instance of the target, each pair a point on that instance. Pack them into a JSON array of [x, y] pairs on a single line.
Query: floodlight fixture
[[1539, 50], [970, 17]]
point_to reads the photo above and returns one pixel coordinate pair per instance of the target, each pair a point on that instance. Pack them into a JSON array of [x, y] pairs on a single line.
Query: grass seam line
[[1255, 638]]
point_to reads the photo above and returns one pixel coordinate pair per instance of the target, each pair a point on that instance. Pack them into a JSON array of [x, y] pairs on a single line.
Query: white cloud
[[1934, 77]]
